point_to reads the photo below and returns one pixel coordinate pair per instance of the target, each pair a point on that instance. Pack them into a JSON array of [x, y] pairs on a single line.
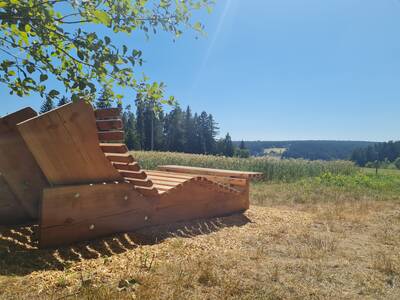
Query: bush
[[397, 163]]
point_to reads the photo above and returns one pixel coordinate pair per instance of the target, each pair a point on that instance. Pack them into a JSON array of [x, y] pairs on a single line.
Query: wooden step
[[167, 179], [147, 191], [110, 124], [161, 187], [107, 113], [127, 167], [166, 183], [132, 174], [140, 182], [170, 174], [113, 147], [111, 136], [120, 157]]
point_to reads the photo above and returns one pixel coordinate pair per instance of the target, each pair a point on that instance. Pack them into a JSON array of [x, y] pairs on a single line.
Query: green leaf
[[43, 77], [102, 16], [53, 93]]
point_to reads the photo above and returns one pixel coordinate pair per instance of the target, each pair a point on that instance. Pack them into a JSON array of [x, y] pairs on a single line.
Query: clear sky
[[284, 69]]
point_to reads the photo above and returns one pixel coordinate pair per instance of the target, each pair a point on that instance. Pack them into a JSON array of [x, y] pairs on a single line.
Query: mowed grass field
[[325, 235]]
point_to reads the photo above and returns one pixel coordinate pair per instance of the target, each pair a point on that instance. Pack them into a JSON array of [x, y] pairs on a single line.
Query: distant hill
[[312, 150]]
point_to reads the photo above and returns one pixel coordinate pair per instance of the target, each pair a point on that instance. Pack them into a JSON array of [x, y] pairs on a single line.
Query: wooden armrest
[[210, 172]]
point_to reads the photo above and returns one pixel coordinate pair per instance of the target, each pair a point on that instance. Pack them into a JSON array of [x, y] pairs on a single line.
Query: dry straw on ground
[[292, 244]]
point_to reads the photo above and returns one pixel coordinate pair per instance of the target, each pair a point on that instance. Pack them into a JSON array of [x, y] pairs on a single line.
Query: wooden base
[[76, 213]]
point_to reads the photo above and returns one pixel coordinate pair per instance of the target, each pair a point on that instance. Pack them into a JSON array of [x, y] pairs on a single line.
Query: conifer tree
[[229, 149], [104, 100], [47, 106], [62, 101]]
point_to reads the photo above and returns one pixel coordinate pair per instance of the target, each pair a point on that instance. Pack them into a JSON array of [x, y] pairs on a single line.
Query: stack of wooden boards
[[69, 171]]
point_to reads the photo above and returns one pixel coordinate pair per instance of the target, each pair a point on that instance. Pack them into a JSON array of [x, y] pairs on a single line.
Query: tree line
[[377, 154], [150, 128]]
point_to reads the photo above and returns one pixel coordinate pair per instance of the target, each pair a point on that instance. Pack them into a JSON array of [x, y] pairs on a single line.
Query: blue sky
[[283, 69]]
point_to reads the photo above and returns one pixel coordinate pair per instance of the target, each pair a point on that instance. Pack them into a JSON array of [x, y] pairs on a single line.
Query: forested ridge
[[377, 154], [312, 150]]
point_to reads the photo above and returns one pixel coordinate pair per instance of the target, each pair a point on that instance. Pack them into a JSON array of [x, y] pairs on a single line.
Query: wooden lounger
[[93, 187]]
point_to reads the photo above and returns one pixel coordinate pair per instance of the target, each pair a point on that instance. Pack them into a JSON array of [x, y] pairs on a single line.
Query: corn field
[[273, 170]]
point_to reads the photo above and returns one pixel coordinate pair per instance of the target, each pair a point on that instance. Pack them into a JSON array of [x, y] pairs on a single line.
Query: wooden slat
[[135, 175], [212, 172], [107, 113], [120, 157], [112, 124], [166, 183], [17, 164], [65, 144], [161, 187], [111, 136], [170, 174], [139, 182], [160, 178], [113, 147], [228, 180], [77, 213], [127, 167], [147, 191]]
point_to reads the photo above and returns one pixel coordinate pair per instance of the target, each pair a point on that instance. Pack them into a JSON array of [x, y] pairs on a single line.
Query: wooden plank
[[111, 124], [147, 191], [11, 211], [197, 200], [212, 172], [170, 174], [120, 157], [165, 183], [161, 187], [127, 167], [107, 113], [134, 175], [228, 180], [113, 147], [111, 136], [139, 182], [77, 213], [65, 144], [17, 164], [166, 179]]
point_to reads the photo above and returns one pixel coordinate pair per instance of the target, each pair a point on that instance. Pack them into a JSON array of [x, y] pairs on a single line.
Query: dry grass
[[298, 241]]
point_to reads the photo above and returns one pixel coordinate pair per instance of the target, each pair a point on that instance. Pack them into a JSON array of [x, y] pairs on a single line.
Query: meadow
[[273, 170], [329, 231]]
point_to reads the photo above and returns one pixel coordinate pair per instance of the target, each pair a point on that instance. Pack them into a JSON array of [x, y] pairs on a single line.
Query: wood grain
[[111, 136], [65, 145], [17, 164], [11, 211], [77, 213], [112, 124]]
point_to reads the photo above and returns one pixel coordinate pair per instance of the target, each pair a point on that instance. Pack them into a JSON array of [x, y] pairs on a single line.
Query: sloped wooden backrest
[[65, 144], [18, 166]]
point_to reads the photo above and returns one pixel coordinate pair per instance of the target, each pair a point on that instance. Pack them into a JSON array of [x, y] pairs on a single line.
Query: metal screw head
[[91, 227], [126, 197], [77, 195], [146, 218]]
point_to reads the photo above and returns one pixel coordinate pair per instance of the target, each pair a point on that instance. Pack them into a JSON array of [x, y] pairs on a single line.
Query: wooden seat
[[92, 186]]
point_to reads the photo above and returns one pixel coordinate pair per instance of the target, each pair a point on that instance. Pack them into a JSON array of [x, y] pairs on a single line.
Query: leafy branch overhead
[[64, 40]]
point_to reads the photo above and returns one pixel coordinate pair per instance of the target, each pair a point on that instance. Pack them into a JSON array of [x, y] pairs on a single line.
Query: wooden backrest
[[65, 144], [17, 164]]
